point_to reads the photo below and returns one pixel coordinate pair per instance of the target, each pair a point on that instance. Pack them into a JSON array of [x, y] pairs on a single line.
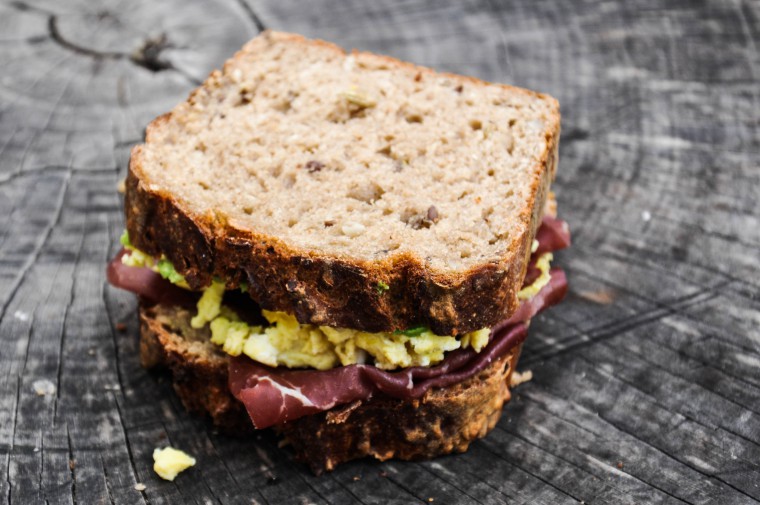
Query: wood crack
[[657, 403], [571, 463], [147, 55], [532, 474], [662, 406], [345, 488], [72, 467], [64, 331], [13, 439], [107, 481], [252, 16], [32, 258], [471, 498], [622, 325], [111, 325], [657, 366], [398, 484], [680, 460], [132, 462], [59, 39]]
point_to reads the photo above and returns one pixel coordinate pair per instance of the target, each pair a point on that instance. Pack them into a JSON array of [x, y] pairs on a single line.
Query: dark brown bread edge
[[332, 290], [443, 421]]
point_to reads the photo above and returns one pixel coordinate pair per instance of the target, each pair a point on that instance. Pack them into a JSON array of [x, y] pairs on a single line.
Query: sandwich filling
[[282, 369]]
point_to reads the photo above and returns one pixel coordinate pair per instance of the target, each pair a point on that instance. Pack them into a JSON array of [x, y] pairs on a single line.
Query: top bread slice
[[349, 189]]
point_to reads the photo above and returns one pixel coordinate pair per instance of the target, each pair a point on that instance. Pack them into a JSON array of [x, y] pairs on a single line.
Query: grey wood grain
[[646, 381]]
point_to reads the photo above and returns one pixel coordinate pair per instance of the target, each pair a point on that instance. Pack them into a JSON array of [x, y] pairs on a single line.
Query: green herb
[[244, 287], [124, 239], [412, 332], [167, 271], [382, 287]]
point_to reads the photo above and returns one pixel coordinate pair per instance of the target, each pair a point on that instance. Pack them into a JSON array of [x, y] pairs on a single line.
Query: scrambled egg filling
[[169, 462], [286, 342], [543, 263]]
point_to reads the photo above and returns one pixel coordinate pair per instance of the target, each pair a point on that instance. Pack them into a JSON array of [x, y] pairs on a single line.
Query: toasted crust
[[338, 290], [443, 421], [199, 373]]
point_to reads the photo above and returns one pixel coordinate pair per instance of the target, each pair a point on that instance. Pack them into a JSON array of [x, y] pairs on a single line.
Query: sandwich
[[343, 247]]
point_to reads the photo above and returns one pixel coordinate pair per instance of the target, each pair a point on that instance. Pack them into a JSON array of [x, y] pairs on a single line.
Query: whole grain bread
[[443, 421], [352, 190]]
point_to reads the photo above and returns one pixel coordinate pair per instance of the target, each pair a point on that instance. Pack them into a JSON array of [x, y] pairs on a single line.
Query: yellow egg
[[169, 462], [286, 342]]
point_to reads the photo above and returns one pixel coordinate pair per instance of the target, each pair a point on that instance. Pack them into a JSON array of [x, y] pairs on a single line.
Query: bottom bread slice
[[442, 421]]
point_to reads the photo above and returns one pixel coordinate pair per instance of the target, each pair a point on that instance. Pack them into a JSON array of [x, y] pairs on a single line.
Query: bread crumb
[[646, 216], [620, 465], [121, 326], [603, 296], [43, 387], [140, 487], [121, 187], [520, 377]]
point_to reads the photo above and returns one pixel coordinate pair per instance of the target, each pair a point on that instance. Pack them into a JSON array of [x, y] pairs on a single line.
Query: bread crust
[[199, 378], [335, 290], [443, 421]]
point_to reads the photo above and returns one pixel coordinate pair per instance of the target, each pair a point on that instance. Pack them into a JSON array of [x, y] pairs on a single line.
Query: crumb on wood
[[43, 387], [520, 377], [620, 465], [72, 464], [121, 187], [604, 296], [121, 326], [140, 487]]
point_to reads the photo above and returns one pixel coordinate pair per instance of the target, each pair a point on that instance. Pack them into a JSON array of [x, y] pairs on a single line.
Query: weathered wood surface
[[646, 381]]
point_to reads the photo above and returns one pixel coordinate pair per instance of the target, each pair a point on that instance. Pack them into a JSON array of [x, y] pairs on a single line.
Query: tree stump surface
[[646, 381]]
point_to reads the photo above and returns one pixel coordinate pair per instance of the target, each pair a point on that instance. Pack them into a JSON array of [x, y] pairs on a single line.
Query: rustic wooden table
[[646, 383]]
